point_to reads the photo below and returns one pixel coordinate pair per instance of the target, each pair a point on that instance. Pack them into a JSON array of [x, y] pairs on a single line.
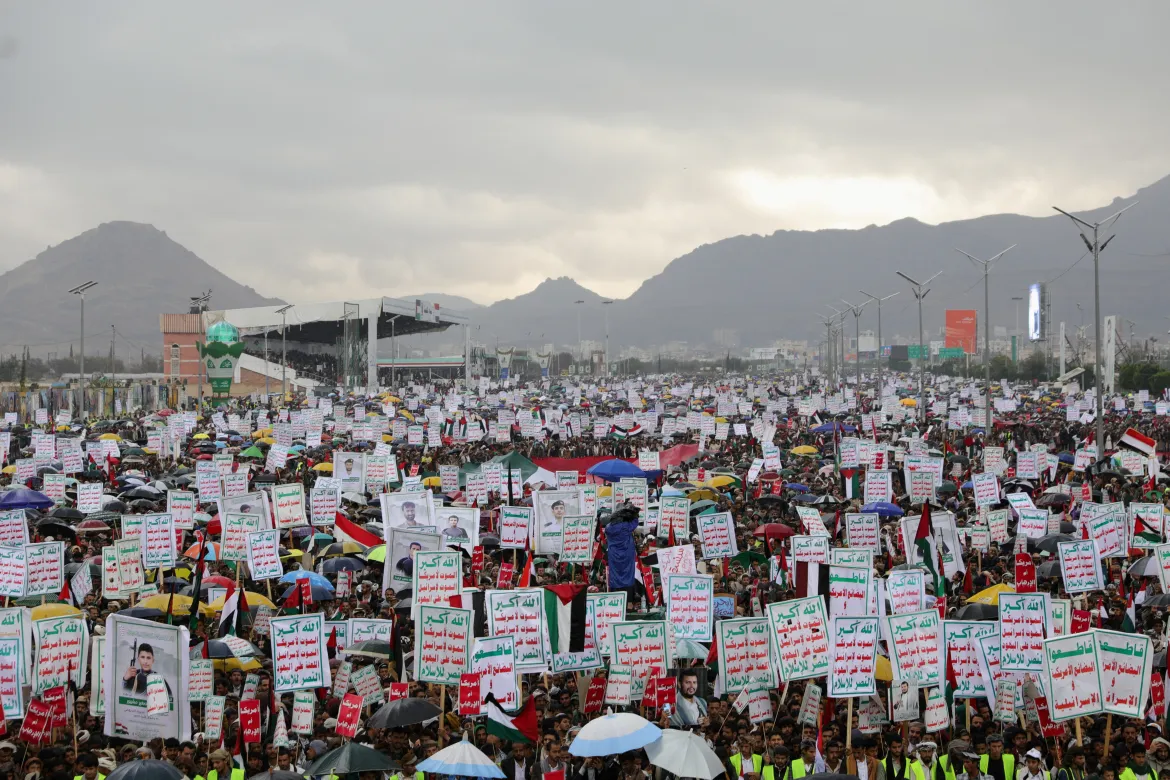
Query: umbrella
[[463, 759], [371, 648], [1049, 543], [334, 565], [689, 648], [773, 531], [319, 592], [55, 529], [990, 595], [313, 577], [699, 506], [146, 613], [67, 513], [53, 610], [614, 470], [92, 527], [804, 449], [796, 486], [947, 488], [1049, 500], [748, 557], [685, 754], [342, 548], [978, 611], [883, 509], [351, 758], [1144, 567], [1048, 570], [613, 734], [23, 498], [94, 571], [402, 712], [217, 648], [145, 770]]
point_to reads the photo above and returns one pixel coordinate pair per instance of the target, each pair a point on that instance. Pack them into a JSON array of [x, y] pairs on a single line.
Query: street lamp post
[[580, 354], [857, 334], [920, 291], [986, 264], [880, 383], [1017, 299], [283, 312], [80, 291], [1096, 246], [607, 304]]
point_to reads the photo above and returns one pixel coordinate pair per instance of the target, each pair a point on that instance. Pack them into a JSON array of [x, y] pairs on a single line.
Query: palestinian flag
[[1129, 620], [852, 479], [1143, 529], [928, 549], [520, 727], [345, 530], [618, 432], [231, 620], [564, 611]]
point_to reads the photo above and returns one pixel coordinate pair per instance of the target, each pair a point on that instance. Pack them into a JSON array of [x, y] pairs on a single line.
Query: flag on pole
[[928, 549], [520, 727]]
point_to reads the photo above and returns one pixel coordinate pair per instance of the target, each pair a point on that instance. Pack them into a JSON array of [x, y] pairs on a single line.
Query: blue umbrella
[[614, 470], [315, 579], [828, 428], [968, 485], [319, 593], [23, 498], [799, 488], [1066, 457], [463, 759], [883, 509], [806, 498]]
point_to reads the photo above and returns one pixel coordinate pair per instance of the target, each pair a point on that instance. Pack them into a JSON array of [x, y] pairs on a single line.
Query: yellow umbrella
[[720, 419], [387, 438], [8, 469], [883, 671], [722, 480], [393, 399], [110, 437], [53, 610], [699, 495], [261, 433], [161, 601], [432, 481], [201, 436], [231, 664], [604, 490], [253, 599], [149, 451], [406, 414], [62, 427], [326, 467], [909, 402], [804, 449], [266, 440], [990, 595]]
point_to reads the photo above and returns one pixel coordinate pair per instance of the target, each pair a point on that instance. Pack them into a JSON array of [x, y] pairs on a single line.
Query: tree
[[1158, 383]]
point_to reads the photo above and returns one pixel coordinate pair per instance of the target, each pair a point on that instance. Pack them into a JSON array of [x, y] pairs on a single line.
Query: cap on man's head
[[1033, 753]]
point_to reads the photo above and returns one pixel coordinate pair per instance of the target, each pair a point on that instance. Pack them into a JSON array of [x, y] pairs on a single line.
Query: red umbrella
[[773, 531], [217, 580]]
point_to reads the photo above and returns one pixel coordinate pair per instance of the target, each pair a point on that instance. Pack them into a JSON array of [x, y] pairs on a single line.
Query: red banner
[[1079, 622], [504, 580], [477, 559], [250, 720], [595, 696], [1047, 726], [470, 701], [399, 691], [961, 329], [348, 715], [1025, 574], [36, 729]]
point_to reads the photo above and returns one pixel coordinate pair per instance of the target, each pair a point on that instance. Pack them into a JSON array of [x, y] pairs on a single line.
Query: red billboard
[[961, 329]]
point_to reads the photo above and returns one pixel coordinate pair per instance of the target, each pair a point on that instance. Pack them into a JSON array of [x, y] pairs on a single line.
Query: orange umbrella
[[192, 552]]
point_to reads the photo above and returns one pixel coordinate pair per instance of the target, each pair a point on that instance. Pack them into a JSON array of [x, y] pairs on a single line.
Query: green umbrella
[[351, 757], [748, 557], [689, 648], [252, 452]]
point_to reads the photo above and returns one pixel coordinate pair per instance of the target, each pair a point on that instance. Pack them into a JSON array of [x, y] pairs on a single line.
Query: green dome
[[223, 331]]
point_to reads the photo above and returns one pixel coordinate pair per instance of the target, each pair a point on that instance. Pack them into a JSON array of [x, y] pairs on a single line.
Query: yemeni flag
[[231, 620], [520, 727], [1135, 440], [852, 479], [564, 610], [619, 432], [924, 541], [345, 530]]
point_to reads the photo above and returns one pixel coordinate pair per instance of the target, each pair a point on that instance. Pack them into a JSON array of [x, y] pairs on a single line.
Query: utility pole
[[80, 291], [986, 264], [880, 383], [580, 355], [198, 306], [857, 353], [607, 303], [1017, 299], [265, 362], [920, 291], [827, 362], [283, 312], [1096, 246], [113, 369]]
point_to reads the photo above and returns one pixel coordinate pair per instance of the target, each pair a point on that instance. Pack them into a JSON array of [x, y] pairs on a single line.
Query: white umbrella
[[685, 754], [462, 758], [613, 734]]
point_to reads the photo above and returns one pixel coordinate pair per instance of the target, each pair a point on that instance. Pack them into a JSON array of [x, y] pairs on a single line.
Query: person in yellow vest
[[998, 764], [745, 760], [934, 768], [896, 766], [804, 764], [1138, 767], [88, 764], [222, 768], [1033, 768]]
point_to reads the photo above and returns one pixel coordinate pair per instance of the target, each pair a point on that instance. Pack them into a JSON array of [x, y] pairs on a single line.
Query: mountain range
[[763, 288]]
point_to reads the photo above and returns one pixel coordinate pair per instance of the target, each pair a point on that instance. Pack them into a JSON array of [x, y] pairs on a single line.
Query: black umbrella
[[1049, 543], [1049, 500], [67, 513], [402, 712], [143, 491], [55, 528], [352, 758], [145, 770], [146, 613], [1146, 566], [334, 565], [143, 503], [1047, 570], [220, 649], [94, 570], [947, 487], [978, 612], [371, 648], [489, 540]]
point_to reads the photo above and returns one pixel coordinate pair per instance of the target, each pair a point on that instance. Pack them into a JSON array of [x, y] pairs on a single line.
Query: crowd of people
[[977, 743]]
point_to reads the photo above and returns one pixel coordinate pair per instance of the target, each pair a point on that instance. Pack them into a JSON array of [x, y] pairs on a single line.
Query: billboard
[[961, 329], [1037, 297]]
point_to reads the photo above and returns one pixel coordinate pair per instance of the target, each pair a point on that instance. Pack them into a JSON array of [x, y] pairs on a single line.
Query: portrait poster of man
[[690, 705], [904, 701], [142, 655], [248, 504], [549, 510], [458, 526], [401, 546], [349, 468], [408, 510]]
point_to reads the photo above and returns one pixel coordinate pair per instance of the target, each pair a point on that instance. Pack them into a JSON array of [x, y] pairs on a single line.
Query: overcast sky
[[318, 150]]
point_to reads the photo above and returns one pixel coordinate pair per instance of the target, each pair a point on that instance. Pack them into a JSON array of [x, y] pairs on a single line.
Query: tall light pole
[[1095, 246], [80, 291], [880, 383], [607, 303], [826, 358], [986, 264], [1017, 299], [920, 291], [857, 353], [198, 306], [580, 354], [283, 312]]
